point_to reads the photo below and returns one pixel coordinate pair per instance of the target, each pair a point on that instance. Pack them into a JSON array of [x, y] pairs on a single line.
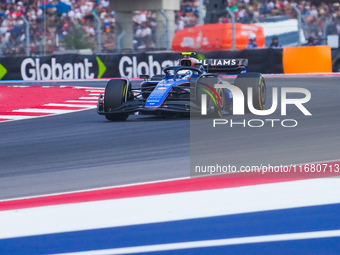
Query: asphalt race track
[[82, 150]]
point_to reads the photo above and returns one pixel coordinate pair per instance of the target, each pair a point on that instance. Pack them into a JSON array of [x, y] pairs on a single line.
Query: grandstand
[[59, 26]]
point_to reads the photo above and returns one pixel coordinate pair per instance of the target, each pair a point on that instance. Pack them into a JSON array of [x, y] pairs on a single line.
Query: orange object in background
[[215, 37], [307, 59]]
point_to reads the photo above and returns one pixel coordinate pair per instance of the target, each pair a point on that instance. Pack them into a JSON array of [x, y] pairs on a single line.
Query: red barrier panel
[[215, 37]]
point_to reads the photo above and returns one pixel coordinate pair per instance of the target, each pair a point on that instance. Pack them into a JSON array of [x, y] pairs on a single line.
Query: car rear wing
[[227, 65]]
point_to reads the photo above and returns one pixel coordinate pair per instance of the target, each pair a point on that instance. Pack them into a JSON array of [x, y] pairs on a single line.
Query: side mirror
[[144, 76]]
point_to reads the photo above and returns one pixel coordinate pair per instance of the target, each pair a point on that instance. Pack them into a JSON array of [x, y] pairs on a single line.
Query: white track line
[[138, 183], [44, 110], [71, 105], [16, 117], [85, 104], [81, 101], [49, 115], [88, 98], [212, 243], [170, 207]]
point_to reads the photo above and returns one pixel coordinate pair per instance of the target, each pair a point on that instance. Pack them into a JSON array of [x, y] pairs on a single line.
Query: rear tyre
[[258, 85], [116, 93]]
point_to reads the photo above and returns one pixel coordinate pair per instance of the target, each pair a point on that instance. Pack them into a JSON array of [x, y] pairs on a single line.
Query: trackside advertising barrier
[[310, 59], [75, 66], [68, 66]]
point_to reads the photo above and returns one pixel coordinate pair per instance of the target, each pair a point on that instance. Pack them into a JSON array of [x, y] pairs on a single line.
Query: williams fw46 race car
[[191, 87]]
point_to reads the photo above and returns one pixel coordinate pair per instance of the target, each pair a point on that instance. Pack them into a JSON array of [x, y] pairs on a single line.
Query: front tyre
[[258, 85], [116, 94]]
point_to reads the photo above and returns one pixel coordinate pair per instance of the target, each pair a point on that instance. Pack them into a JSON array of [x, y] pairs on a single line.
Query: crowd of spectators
[[144, 30], [315, 15], [57, 25], [188, 15], [316, 18], [54, 25]]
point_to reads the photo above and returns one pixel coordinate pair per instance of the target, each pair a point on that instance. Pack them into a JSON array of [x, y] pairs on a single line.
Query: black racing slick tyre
[[116, 92], [258, 85]]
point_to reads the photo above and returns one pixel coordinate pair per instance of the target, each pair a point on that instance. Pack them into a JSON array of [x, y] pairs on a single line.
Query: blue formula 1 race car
[[183, 90]]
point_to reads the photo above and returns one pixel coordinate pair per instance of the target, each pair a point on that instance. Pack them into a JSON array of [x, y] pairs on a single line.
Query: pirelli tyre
[[258, 85], [116, 93]]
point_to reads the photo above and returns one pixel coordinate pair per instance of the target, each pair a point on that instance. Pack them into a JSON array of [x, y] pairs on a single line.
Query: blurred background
[[44, 27]]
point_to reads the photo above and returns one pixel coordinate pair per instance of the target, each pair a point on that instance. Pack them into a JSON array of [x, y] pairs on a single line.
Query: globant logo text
[[32, 69]]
